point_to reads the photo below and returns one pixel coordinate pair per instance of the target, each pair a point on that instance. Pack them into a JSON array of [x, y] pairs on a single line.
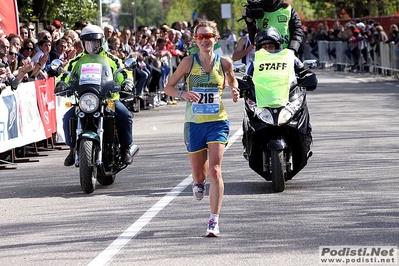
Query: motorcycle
[[276, 138], [97, 152]]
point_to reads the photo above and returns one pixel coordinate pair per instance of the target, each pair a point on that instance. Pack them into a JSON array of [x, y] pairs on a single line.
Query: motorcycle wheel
[[278, 171], [88, 177], [106, 180]]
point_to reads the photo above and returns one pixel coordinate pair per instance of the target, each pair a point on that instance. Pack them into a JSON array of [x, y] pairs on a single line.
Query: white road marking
[[115, 247]]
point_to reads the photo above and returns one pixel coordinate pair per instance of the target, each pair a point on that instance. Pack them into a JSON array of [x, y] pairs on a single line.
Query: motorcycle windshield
[[93, 71], [273, 75]]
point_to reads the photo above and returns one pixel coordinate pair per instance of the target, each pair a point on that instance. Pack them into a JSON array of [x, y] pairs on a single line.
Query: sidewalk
[[361, 77]]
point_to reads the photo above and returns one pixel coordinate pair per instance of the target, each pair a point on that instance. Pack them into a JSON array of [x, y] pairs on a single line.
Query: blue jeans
[[124, 125]]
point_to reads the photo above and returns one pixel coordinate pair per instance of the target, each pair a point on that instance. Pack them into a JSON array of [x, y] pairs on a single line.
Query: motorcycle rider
[[279, 14], [92, 37], [271, 41]]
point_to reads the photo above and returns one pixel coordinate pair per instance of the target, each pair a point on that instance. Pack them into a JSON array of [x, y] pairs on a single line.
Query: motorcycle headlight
[[288, 112], [89, 102], [264, 115]]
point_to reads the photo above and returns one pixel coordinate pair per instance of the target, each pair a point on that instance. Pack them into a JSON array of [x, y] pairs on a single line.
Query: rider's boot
[[70, 159]]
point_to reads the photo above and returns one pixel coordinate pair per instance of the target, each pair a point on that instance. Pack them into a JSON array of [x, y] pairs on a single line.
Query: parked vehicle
[[98, 151], [277, 138]]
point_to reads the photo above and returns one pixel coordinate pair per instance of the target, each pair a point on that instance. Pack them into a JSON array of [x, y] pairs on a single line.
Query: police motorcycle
[[276, 128], [93, 130]]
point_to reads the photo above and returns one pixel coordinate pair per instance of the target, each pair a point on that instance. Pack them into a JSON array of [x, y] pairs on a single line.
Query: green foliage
[[180, 10], [148, 12], [67, 11]]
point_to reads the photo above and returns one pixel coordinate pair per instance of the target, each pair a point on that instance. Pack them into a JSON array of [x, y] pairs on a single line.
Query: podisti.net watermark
[[358, 255]]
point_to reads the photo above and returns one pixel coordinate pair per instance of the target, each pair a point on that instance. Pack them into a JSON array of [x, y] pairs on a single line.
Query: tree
[[67, 11]]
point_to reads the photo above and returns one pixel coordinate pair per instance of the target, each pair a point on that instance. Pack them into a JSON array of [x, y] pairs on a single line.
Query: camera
[[254, 9]]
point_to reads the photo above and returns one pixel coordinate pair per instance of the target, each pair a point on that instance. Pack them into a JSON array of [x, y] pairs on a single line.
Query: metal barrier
[[381, 58]]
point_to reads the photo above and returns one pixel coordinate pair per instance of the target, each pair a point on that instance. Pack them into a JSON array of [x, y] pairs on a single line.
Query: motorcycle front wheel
[[278, 170], [88, 176]]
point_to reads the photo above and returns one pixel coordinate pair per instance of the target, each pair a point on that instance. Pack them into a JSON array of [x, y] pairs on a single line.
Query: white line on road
[[115, 247]]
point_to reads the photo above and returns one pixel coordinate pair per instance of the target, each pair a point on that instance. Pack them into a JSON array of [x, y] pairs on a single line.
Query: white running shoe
[[213, 229], [199, 190]]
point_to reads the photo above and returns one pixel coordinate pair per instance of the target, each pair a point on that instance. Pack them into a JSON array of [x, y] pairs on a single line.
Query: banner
[[46, 102], [20, 121], [9, 22]]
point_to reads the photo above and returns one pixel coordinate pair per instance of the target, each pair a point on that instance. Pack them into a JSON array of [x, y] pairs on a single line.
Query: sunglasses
[[28, 48], [205, 36], [31, 29], [12, 53]]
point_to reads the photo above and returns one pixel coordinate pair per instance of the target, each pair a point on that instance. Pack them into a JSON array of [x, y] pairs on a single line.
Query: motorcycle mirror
[[131, 62], [56, 65], [310, 63]]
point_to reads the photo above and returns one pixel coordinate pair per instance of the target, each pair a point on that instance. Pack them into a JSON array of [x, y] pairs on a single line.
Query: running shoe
[[199, 190], [213, 229]]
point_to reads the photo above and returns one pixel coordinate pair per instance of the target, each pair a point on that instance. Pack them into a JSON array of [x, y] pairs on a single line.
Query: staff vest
[[273, 75], [278, 19]]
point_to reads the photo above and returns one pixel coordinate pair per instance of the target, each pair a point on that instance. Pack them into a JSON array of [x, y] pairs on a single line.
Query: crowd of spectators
[[28, 55], [363, 39]]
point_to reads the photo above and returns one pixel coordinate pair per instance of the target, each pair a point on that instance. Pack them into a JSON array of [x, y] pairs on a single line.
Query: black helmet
[[270, 35]]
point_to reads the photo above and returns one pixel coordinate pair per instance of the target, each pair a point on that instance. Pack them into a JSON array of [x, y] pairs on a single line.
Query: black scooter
[[277, 140]]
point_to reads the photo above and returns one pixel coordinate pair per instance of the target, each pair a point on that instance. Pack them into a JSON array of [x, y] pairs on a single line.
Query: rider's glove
[[127, 87], [60, 87]]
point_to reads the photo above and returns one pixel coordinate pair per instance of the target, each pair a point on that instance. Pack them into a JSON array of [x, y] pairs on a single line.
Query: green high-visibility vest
[[273, 75], [278, 19]]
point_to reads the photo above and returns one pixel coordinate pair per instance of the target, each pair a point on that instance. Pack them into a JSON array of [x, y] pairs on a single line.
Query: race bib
[[90, 74], [208, 102]]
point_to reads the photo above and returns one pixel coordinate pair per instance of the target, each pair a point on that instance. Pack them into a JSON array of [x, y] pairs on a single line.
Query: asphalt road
[[348, 194]]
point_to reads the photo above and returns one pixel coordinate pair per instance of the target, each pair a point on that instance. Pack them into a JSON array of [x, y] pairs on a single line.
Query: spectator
[[32, 31], [381, 34], [58, 52], [24, 32], [58, 27], [156, 83], [156, 33], [231, 41], [10, 79], [126, 33], [108, 31], [115, 48], [321, 35], [43, 35], [142, 29], [71, 52], [26, 53], [79, 25], [78, 46], [394, 34], [41, 60], [21, 73], [55, 35], [70, 36], [15, 40]]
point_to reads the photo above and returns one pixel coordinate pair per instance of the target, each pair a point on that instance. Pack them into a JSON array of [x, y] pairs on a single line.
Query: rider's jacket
[[114, 62]]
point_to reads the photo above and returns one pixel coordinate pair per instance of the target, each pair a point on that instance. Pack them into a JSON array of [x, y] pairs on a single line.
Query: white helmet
[[93, 38]]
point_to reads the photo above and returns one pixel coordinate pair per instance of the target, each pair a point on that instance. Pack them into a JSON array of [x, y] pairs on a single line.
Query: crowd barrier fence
[[382, 58], [32, 113]]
